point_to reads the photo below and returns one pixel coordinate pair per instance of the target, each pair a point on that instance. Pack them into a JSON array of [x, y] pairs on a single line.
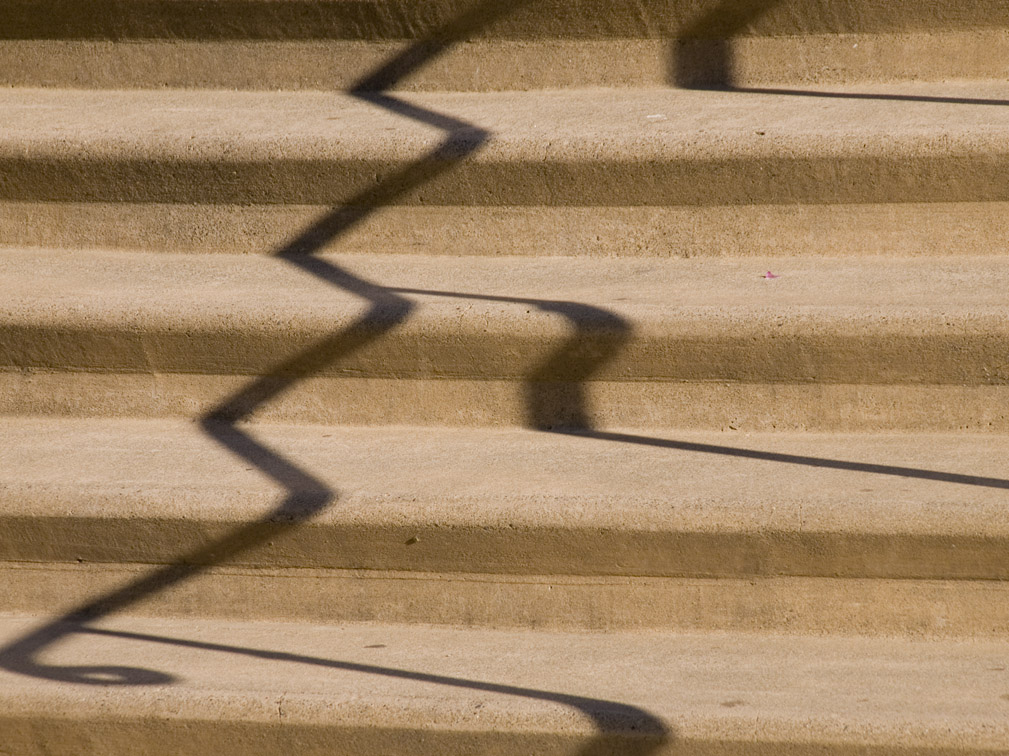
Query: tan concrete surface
[[872, 607], [514, 502], [831, 339], [802, 533], [850, 230], [503, 64], [572, 19], [558, 148], [878, 200], [262, 688], [709, 405]]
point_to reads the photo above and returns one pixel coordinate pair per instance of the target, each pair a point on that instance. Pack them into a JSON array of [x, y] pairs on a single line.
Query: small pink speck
[[769, 274]]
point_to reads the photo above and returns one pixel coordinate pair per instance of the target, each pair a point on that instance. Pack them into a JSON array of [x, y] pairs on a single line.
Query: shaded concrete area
[[306, 495], [179, 684]]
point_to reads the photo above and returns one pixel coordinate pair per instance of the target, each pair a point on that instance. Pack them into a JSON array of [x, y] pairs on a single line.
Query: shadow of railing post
[[701, 56], [556, 391]]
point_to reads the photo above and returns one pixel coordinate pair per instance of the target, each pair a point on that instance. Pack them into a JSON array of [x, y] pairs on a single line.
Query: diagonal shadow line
[[794, 459], [396, 69], [617, 716], [784, 91], [599, 335], [308, 495]]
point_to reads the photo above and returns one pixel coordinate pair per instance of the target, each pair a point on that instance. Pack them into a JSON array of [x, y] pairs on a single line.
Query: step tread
[[423, 688], [856, 344], [655, 148], [55, 283], [546, 342], [558, 125], [509, 501]]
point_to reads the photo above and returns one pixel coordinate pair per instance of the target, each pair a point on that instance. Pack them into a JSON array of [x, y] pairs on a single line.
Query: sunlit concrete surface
[[504, 377]]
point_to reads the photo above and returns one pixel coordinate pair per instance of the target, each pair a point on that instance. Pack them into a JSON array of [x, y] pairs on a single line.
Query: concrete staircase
[[388, 377]]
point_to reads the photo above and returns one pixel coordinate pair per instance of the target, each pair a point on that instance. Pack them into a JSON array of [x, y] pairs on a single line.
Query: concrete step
[[906, 170], [460, 44], [830, 344], [807, 533], [129, 686]]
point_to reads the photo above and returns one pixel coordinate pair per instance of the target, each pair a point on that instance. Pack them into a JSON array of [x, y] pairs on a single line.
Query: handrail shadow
[[554, 392], [702, 58], [786, 92], [637, 731]]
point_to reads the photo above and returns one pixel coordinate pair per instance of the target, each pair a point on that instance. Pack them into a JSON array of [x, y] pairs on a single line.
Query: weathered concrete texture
[[517, 502], [505, 403], [872, 607], [552, 342], [257, 688], [203, 455], [660, 147], [805, 533], [850, 230], [406, 19], [898, 170], [509, 64]]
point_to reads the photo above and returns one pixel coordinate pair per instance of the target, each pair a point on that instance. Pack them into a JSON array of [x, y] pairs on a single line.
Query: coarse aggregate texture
[[502, 64], [904, 534], [591, 378], [908, 169], [832, 344], [492, 45], [641, 147], [518, 501], [237, 687]]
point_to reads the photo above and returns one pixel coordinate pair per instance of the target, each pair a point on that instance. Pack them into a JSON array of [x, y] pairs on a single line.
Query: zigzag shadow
[[623, 728], [555, 400]]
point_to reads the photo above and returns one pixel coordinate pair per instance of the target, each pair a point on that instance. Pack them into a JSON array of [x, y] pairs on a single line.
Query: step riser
[[526, 346], [904, 229], [460, 403], [481, 65], [113, 736], [788, 605], [306, 44], [443, 547], [744, 373], [915, 171], [515, 19]]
